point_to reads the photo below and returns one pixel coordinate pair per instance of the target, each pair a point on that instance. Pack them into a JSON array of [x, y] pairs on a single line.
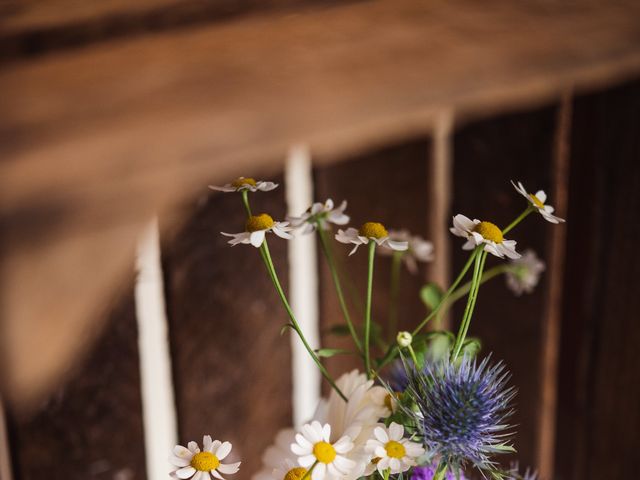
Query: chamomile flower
[[391, 451], [320, 215], [524, 273], [245, 183], [369, 231], [278, 459], [419, 249], [256, 228], [537, 200], [313, 447], [483, 233], [197, 465]]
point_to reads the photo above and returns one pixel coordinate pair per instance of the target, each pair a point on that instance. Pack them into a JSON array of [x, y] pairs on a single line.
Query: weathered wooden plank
[[95, 141], [391, 186], [598, 417], [232, 368], [91, 427], [487, 155]]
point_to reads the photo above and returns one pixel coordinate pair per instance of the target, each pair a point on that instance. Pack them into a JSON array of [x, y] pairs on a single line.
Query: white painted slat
[[303, 286], [158, 404]]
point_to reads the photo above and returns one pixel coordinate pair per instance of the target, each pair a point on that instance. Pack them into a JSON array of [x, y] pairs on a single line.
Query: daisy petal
[[229, 468], [223, 450], [186, 472]]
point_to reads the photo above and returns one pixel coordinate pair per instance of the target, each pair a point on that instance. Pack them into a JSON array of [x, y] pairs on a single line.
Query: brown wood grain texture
[[29, 28], [91, 425], [232, 368], [390, 186], [598, 418], [95, 141], [487, 155]]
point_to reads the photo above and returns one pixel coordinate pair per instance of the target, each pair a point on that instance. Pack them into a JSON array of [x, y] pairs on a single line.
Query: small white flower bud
[[404, 339]]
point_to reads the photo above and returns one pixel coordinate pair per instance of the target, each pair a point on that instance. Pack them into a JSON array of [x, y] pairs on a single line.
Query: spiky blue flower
[[463, 409], [514, 473], [429, 471]]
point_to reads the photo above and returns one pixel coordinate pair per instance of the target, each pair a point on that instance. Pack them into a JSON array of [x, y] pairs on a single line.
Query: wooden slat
[[97, 140], [598, 417], [487, 155], [387, 186], [91, 427], [232, 368]]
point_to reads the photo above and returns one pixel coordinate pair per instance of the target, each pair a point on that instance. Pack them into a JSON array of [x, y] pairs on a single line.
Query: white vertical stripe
[[5, 456], [303, 286], [158, 405]]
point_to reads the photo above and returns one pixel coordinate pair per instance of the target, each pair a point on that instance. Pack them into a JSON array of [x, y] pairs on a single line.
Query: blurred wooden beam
[[95, 140]]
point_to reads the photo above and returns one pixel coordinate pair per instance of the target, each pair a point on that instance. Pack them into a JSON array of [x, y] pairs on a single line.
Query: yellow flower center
[[489, 231], [296, 473], [205, 461], [373, 230], [242, 181], [536, 201], [324, 452], [395, 449], [389, 400], [259, 222]]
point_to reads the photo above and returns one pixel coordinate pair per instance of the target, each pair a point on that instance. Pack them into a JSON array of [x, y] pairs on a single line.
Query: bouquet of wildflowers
[[429, 407]]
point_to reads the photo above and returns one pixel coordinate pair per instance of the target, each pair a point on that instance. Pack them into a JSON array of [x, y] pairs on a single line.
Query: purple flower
[[429, 471]]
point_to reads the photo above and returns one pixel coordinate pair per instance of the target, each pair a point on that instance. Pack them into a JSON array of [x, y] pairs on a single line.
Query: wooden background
[[112, 112]]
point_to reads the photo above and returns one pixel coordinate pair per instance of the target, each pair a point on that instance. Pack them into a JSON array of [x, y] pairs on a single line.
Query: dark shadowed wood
[[91, 426], [232, 368], [388, 186], [488, 155], [96, 140], [599, 384]]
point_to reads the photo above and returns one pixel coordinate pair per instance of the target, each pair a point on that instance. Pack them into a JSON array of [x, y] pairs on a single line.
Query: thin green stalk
[[521, 217], [413, 357], [441, 471], [336, 282], [386, 474], [306, 475], [245, 201], [276, 282], [471, 303], [367, 315], [396, 264], [452, 288]]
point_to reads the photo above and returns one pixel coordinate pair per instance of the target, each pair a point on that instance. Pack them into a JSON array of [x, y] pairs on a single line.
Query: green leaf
[[431, 295], [471, 347], [330, 352]]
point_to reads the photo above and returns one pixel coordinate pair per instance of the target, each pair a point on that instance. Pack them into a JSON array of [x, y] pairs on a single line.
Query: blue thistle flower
[[514, 473], [463, 408]]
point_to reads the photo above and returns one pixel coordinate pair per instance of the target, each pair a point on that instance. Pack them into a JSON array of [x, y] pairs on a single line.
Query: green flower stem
[[386, 474], [367, 315], [448, 293], [294, 323], [464, 289], [413, 357], [308, 474], [471, 303], [396, 264], [521, 217], [441, 471], [336, 282], [266, 258]]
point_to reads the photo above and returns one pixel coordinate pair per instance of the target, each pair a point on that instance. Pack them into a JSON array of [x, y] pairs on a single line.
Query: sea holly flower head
[[245, 184], [314, 449], [525, 273], [320, 215], [419, 249], [514, 473], [369, 231], [196, 464], [538, 200], [463, 409], [483, 233], [391, 451], [256, 228]]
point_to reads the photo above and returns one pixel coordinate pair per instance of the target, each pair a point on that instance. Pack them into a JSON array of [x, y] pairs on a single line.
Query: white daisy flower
[[196, 464], [320, 215], [245, 183], [420, 250], [279, 462], [313, 447], [256, 228], [357, 417], [370, 231], [487, 233], [525, 273], [537, 200], [391, 451]]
